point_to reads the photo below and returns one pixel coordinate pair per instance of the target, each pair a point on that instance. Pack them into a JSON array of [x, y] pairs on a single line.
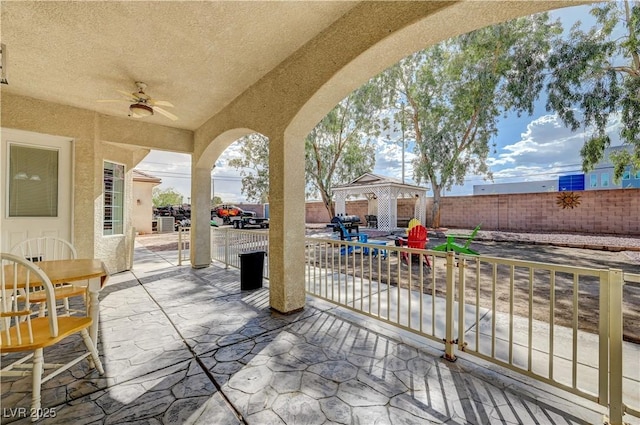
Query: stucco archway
[[288, 102]]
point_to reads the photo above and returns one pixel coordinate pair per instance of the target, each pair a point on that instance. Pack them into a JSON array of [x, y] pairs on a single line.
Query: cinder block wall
[[615, 211]]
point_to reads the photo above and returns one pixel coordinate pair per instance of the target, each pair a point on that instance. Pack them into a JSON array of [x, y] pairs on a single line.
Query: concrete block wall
[[615, 211]]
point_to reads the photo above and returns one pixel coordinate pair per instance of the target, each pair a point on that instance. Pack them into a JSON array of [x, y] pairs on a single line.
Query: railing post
[[462, 267], [179, 244], [616, 407], [603, 340], [226, 249], [449, 314]]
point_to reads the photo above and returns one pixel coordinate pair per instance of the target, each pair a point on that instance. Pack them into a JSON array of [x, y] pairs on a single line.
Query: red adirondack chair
[[417, 238]]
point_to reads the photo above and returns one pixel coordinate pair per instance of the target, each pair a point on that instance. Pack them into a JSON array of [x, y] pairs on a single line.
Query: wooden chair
[[417, 239], [451, 245], [372, 221], [412, 223], [45, 249], [20, 332]]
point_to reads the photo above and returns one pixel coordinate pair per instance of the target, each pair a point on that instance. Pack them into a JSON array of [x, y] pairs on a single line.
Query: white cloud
[[175, 171], [546, 142], [389, 160]]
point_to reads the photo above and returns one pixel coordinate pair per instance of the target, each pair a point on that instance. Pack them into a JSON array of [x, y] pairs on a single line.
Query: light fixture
[[140, 110]]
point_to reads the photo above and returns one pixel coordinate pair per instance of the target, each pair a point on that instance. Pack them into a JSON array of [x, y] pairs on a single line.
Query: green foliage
[[254, 167], [595, 74], [216, 201], [164, 197], [339, 149], [449, 97], [342, 146]]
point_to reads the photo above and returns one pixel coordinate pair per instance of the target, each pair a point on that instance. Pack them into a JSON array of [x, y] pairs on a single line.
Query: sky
[[528, 148]]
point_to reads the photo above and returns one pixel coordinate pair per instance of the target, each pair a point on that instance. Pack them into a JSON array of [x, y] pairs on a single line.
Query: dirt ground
[[588, 289]]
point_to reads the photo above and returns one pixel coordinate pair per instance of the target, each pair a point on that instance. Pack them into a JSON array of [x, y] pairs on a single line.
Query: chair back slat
[[45, 248], [18, 277], [417, 237]]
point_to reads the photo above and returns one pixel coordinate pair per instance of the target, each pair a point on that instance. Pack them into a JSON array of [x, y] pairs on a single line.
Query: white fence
[[227, 244], [528, 317]]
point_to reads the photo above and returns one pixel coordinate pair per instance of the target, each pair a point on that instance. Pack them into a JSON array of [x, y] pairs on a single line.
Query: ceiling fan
[[141, 104]]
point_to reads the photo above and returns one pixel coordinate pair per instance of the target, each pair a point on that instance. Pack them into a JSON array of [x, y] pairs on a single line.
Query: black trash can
[[251, 266]]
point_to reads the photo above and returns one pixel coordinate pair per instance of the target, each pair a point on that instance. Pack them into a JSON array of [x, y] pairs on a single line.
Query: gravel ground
[[628, 245]]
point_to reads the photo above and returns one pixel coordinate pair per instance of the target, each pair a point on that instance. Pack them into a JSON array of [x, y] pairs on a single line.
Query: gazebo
[[382, 193]]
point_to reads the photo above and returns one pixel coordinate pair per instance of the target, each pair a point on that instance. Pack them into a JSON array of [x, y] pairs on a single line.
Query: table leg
[[94, 308]]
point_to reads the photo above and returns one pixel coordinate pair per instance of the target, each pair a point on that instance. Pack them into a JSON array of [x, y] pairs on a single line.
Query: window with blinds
[[33, 181], [113, 199]]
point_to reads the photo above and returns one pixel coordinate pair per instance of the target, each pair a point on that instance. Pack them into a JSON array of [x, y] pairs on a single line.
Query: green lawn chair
[[451, 244]]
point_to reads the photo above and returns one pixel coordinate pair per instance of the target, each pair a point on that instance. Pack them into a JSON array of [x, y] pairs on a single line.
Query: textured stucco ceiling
[[203, 56], [197, 55]]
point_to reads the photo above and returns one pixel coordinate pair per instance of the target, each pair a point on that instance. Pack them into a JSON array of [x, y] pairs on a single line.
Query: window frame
[[46, 183], [113, 198]]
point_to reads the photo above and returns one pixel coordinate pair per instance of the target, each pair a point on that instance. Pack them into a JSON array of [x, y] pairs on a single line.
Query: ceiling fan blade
[[165, 113], [129, 95], [162, 103]]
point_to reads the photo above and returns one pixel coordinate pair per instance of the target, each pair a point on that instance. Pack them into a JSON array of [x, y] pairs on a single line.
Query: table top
[[63, 271]]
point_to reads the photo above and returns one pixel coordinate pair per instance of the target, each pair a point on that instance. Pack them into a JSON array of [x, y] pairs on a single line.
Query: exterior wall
[[516, 187], [600, 212], [90, 131], [142, 208]]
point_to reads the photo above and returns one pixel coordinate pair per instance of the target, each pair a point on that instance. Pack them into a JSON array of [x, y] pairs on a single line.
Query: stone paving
[[185, 346]]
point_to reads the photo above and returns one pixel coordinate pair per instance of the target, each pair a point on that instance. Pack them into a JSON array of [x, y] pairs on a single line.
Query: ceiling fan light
[[140, 110]]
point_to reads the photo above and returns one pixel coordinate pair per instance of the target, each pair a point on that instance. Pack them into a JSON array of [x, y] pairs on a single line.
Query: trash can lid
[[242, 254]]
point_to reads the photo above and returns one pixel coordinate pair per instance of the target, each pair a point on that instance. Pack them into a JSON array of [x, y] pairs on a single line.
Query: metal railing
[[524, 316], [184, 244], [227, 244]]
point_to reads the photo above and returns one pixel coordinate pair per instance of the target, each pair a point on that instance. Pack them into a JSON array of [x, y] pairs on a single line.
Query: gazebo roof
[[370, 180]]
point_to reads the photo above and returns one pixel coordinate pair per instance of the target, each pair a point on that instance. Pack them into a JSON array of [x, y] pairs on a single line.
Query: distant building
[[571, 182], [602, 175], [600, 178], [516, 187], [142, 211]]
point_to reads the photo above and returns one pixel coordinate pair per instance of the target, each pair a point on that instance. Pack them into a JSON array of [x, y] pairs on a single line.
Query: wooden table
[[68, 271]]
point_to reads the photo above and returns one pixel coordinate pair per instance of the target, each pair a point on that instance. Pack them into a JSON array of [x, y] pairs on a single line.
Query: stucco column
[[286, 224], [200, 251]]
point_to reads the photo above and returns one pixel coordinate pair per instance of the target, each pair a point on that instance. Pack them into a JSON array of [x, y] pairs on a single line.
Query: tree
[[450, 96], [339, 149], [254, 167], [164, 197], [595, 74], [216, 201], [342, 146]]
